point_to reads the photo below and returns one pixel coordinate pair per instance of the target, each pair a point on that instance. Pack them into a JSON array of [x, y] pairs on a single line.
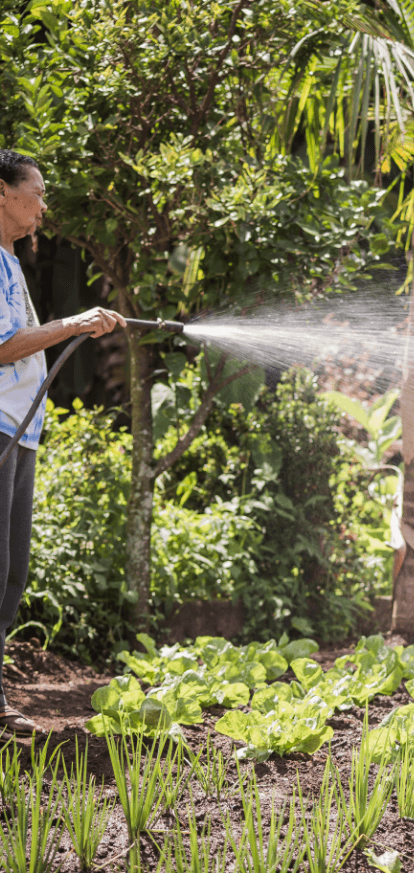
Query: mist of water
[[369, 328]]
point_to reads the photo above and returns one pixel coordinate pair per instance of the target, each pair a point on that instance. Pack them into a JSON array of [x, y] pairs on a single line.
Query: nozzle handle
[[159, 324]]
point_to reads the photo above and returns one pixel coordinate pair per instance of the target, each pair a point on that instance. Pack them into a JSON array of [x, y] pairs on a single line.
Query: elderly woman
[[22, 370]]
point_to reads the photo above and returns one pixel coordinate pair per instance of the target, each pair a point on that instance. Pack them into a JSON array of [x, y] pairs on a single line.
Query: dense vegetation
[[198, 150], [265, 507]]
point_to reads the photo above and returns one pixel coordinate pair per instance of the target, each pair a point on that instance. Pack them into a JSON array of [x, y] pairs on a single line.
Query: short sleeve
[[9, 304]]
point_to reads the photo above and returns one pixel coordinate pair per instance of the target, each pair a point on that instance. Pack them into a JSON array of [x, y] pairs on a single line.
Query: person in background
[[22, 371]]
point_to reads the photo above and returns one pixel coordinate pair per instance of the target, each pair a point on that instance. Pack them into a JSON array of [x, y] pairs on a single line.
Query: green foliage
[[383, 431], [283, 466], [181, 687], [261, 507], [152, 777], [214, 151], [325, 829], [199, 555], [281, 717], [404, 784], [76, 580], [140, 775], [257, 853], [383, 484], [31, 829], [86, 816], [365, 806], [166, 136]]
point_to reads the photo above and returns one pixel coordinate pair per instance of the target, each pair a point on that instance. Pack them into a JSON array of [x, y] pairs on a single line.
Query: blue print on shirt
[[20, 380]]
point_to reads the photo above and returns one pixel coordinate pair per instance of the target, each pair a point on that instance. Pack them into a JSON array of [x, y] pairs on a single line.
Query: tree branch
[[222, 56], [202, 412]]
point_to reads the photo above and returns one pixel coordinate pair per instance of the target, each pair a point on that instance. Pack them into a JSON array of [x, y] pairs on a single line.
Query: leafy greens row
[[263, 713]]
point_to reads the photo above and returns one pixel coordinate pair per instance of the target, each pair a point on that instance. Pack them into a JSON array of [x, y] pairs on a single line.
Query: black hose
[[135, 323]]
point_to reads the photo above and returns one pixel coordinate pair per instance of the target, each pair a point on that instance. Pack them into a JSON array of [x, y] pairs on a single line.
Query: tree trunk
[[403, 599], [403, 595], [138, 545]]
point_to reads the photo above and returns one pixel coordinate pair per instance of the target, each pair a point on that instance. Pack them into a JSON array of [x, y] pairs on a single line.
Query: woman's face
[[22, 204]]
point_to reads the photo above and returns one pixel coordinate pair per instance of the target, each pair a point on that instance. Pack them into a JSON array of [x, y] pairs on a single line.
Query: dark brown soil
[[56, 693]]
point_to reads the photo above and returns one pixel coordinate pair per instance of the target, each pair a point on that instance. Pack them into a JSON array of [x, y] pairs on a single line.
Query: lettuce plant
[[276, 716]]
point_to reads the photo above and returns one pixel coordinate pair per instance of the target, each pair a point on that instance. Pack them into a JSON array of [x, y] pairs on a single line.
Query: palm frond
[[407, 13]]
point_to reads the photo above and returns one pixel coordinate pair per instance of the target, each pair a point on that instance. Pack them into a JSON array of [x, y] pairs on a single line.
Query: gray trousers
[[16, 502]]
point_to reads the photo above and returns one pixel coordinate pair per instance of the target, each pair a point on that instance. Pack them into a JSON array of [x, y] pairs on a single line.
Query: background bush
[[76, 584], [265, 506], [286, 462]]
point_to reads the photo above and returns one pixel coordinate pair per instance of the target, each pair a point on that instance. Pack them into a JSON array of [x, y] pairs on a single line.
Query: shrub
[[286, 462], [76, 585], [264, 506]]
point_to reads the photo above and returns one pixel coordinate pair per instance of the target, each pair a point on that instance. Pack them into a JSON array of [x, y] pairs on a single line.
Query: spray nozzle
[[160, 323]]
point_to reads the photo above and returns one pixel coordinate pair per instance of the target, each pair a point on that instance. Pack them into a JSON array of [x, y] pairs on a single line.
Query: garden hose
[[135, 323]]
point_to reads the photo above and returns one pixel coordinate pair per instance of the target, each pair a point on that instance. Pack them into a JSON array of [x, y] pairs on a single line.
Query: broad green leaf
[[267, 699], [148, 644], [410, 687], [181, 662], [154, 714], [299, 649], [101, 724], [274, 663], [229, 672], [233, 724], [351, 407], [106, 699], [187, 711], [233, 694], [192, 684], [132, 700], [375, 645], [215, 649], [253, 674], [402, 720], [315, 739], [383, 744], [127, 682], [407, 662], [143, 668], [307, 671]]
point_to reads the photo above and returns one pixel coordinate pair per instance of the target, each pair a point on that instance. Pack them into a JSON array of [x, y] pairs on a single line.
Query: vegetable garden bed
[[213, 809]]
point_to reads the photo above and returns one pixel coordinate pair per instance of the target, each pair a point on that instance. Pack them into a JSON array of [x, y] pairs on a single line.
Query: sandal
[[14, 722]]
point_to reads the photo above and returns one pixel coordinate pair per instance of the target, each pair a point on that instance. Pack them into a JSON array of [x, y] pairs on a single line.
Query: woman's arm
[[29, 340]]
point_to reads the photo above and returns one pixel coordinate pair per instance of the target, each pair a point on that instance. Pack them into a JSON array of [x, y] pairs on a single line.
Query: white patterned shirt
[[21, 380]]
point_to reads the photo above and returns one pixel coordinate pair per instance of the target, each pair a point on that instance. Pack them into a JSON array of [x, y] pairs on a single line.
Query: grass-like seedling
[[203, 857], [140, 779], [32, 830], [404, 782], [326, 837], [256, 853], [365, 808], [9, 771], [212, 775], [176, 782], [86, 815]]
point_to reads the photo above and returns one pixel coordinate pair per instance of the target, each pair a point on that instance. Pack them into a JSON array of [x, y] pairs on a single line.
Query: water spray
[[366, 328], [134, 323]]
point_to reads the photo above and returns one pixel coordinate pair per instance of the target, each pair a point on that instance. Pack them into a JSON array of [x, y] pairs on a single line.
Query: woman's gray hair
[[12, 166]]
